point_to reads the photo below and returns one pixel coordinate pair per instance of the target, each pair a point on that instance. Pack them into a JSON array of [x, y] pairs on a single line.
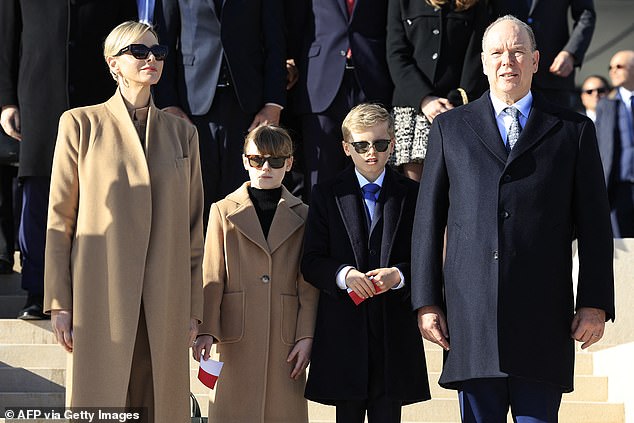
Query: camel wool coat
[[257, 306], [125, 230]]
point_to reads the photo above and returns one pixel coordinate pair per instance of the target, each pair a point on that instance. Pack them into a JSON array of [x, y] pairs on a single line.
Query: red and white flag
[[209, 371]]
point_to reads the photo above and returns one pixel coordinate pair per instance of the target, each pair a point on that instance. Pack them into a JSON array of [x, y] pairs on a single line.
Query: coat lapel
[[539, 122], [245, 218], [481, 120], [393, 199], [352, 213], [285, 222]]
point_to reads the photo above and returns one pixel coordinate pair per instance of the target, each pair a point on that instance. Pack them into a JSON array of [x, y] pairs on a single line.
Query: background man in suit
[[339, 49], [560, 50], [501, 304], [367, 356], [50, 61], [228, 74], [615, 132], [593, 88]]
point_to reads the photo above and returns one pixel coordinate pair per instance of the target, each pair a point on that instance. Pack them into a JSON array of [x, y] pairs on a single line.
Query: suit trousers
[[488, 400], [323, 154], [7, 213], [221, 134], [622, 205], [32, 232]]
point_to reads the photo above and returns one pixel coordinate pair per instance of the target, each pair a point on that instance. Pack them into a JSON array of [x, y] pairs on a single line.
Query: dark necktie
[[369, 196], [515, 128]]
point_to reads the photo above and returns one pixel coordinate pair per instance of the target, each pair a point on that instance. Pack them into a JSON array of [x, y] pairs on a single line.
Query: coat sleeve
[[584, 17], [595, 287], [196, 227], [10, 41], [307, 313], [472, 79], [214, 273], [430, 221], [62, 217]]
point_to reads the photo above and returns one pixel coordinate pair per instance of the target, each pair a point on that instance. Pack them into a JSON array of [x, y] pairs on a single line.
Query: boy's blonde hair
[[364, 116], [123, 35], [270, 140]]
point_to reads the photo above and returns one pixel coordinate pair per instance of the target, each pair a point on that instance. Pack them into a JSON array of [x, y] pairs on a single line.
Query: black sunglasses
[[598, 90], [258, 161], [141, 51], [363, 147]]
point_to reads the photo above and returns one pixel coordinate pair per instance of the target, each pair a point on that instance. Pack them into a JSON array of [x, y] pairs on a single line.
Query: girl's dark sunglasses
[[362, 147], [141, 51], [258, 161]]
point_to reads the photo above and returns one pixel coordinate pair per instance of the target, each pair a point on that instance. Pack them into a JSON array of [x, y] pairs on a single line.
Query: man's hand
[[177, 111], [203, 343], [563, 64], [292, 74], [360, 284], [384, 279], [62, 322], [433, 325], [432, 106], [588, 326], [268, 115], [301, 355], [10, 121]]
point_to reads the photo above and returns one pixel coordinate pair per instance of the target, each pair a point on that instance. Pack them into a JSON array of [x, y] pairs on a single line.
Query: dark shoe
[[6, 268], [33, 309]]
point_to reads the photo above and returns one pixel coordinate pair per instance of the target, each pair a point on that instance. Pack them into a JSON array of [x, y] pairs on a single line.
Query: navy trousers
[[32, 233], [488, 400]]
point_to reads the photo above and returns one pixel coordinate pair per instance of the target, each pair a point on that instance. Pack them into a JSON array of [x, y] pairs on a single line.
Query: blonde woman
[[124, 240]]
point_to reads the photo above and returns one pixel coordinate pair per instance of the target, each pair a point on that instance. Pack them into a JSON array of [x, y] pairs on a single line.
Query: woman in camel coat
[[123, 278], [258, 308]]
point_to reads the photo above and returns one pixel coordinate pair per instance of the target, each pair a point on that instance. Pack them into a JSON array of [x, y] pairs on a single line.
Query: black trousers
[[32, 235], [622, 205], [8, 214]]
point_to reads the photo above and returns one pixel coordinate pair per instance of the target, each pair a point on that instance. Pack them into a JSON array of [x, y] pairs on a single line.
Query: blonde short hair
[[364, 116], [123, 35], [270, 140]]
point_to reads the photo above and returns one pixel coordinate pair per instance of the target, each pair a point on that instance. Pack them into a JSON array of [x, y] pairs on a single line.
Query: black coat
[[335, 237], [431, 51], [506, 281], [52, 60]]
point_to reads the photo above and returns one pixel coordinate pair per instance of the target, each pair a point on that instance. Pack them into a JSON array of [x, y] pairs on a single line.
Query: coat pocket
[[232, 317], [290, 306]]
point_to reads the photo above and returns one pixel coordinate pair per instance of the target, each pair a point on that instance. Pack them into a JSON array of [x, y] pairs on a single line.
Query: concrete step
[[31, 399], [15, 379], [32, 356], [14, 331]]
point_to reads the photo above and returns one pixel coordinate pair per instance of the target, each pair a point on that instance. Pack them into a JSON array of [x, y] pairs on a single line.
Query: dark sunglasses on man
[[141, 51], [602, 90], [363, 147], [258, 161]]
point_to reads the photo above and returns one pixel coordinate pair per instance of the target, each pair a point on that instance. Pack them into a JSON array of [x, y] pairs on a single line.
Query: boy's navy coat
[[336, 236]]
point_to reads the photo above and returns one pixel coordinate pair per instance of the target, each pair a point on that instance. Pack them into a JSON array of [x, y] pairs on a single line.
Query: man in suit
[[593, 89], [513, 179], [615, 132], [367, 354], [228, 75], [560, 50], [51, 60], [339, 49]]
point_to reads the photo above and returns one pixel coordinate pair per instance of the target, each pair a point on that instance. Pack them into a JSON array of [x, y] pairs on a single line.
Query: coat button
[[434, 56], [373, 252], [495, 255], [409, 22], [435, 31], [265, 279], [507, 178], [342, 52], [504, 214]]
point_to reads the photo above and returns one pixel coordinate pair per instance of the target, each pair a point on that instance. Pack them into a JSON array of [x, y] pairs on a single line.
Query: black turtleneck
[[265, 203]]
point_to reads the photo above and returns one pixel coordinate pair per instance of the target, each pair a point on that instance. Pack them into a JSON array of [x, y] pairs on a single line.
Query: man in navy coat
[[513, 188]]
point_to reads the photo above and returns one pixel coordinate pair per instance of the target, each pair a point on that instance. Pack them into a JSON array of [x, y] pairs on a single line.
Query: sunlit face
[[266, 177], [371, 163], [591, 91], [508, 61], [622, 70], [138, 72]]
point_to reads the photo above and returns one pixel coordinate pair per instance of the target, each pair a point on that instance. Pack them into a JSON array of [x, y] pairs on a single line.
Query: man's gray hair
[[518, 22]]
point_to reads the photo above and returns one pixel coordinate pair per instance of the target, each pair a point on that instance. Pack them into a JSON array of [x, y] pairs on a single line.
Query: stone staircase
[[32, 373]]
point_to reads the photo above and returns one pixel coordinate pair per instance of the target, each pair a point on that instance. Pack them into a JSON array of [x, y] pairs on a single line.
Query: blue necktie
[[514, 129], [369, 196]]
